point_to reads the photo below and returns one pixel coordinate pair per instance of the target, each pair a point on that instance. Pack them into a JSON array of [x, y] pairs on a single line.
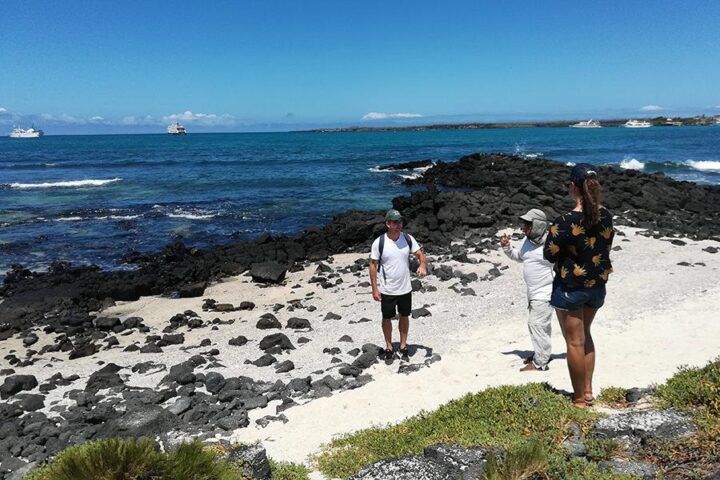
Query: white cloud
[[96, 118], [382, 116], [133, 120], [652, 108], [3, 110], [207, 119]]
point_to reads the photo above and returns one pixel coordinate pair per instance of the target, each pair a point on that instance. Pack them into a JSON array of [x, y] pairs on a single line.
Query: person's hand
[[376, 295], [504, 240], [421, 272]]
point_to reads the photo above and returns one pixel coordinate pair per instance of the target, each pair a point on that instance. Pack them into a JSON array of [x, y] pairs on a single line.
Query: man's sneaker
[[404, 354], [389, 356]]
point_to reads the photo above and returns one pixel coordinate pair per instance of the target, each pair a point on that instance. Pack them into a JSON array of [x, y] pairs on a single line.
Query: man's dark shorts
[[573, 300], [391, 304]]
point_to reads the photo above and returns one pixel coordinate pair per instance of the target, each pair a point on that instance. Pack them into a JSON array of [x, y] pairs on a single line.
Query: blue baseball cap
[[580, 172]]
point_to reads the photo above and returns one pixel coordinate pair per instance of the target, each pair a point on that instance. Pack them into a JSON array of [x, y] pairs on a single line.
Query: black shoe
[[404, 354], [389, 356]]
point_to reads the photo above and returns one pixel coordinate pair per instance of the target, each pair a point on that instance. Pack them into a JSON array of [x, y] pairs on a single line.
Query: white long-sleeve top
[[537, 271]]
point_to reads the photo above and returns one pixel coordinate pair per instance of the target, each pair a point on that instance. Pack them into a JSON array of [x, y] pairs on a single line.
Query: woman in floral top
[[579, 245]]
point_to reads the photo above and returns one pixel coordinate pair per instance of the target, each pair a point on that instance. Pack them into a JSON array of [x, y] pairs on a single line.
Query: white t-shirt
[[395, 264]]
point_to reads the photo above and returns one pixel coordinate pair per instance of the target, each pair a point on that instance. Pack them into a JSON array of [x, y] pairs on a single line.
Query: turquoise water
[[91, 199]]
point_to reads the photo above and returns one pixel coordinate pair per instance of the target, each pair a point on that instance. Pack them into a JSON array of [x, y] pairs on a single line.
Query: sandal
[[589, 400], [389, 356], [405, 354]]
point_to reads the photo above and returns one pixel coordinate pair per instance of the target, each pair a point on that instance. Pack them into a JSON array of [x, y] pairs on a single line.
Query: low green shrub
[[612, 396], [519, 463], [287, 471], [136, 459]]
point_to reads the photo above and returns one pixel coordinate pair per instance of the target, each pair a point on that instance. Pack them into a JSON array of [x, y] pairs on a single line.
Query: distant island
[[662, 121]]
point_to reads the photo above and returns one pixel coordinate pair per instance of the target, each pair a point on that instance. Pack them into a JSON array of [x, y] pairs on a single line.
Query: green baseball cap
[[392, 215]]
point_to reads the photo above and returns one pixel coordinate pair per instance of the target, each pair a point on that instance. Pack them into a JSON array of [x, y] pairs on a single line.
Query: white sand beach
[[658, 315]]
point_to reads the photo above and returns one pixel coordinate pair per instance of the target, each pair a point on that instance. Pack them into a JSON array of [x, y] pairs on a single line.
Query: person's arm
[[422, 269], [511, 252], [373, 280]]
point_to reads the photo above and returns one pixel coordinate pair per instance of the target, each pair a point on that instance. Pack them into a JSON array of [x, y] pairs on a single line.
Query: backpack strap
[[381, 245]]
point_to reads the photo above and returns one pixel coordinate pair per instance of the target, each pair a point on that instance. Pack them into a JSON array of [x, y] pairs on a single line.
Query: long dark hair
[[591, 193]]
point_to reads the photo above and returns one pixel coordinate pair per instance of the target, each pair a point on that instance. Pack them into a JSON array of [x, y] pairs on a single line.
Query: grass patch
[[612, 396], [696, 391], [506, 417], [136, 459], [520, 463], [287, 471]]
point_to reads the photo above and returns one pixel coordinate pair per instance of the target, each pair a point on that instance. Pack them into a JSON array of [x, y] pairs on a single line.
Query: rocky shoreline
[[493, 190], [68, 314]]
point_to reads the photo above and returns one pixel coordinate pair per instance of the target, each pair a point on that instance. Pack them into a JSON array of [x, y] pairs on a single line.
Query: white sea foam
[[704, 165], [570, 164], [632, 164], [192, 216], [68, 184], [531, 156], [376, 169], [69, 219]]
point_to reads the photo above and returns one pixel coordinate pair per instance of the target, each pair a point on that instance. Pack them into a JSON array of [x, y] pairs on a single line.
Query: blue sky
[[136, 65]]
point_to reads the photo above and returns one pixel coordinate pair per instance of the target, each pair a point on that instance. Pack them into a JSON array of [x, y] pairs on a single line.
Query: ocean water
[[92, 199]]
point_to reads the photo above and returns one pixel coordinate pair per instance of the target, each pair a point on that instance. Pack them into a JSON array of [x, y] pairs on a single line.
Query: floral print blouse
[[581, 253]]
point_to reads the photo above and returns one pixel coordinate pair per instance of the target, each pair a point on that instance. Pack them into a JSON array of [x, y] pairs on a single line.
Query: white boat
[[588, 124], [637, 124], [26, 133], [176, 129], [669, 122]]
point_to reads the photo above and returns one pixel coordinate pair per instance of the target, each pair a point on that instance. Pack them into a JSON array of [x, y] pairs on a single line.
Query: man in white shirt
[[538, 274], [390, 256]]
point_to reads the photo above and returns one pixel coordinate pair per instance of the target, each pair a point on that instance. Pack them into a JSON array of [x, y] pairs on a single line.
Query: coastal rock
[[643, 470], [268, 321], [238, 341], [268, 272], [276, 340], [655, 424], [405, 468], [465, 463], [106, 377], [17, 383], [285, 366], [298, 323], [254, 461]]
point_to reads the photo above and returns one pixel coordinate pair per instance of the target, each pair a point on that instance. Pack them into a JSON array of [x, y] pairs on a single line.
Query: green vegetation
[[287, 471], [529, 422], [508, 417], [612, 396], [140, 459], [696, 391]]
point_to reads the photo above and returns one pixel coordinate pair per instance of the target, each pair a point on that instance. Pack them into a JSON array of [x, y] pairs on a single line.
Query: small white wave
[[704, 165], [376, 169], [411, 176], [49, 164], [69, 219], [68, 184], [570, 164], [192, 216], [632, 164], [118, 217], [531, 156]]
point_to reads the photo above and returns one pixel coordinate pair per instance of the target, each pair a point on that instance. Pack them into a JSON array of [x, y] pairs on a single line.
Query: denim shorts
[[573, 300]]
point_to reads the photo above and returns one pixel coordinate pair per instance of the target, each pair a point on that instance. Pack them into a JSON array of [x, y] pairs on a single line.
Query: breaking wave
[[68, 184]]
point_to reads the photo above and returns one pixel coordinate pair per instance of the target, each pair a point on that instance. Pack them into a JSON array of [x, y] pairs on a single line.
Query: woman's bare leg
[[588, 316], [572, 326]]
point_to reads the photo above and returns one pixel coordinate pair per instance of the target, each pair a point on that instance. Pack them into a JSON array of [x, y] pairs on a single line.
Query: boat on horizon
[[589, 124], [26, 133], [637, 124], [669, 122], [176, 129]]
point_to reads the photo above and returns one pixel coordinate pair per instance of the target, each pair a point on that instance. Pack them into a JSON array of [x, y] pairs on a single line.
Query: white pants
[[540, 327]]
